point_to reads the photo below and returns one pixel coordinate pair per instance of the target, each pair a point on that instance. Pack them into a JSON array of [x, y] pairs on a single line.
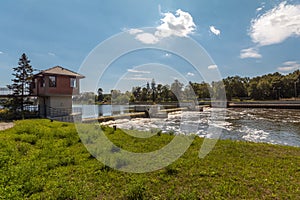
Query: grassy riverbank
[[44, 160]]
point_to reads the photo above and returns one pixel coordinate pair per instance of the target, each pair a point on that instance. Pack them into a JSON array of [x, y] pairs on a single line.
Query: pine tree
[[21, 85], [153, 87], [100, 95]]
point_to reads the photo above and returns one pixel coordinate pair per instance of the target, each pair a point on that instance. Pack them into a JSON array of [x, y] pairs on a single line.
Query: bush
[[159, 133], [31, 139], [7, 115]]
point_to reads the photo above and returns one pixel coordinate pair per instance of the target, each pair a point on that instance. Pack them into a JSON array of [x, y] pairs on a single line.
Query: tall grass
[[40, 159]]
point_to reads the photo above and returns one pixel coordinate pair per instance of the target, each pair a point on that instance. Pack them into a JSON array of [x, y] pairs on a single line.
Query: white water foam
[[254, 135], [249, 125]]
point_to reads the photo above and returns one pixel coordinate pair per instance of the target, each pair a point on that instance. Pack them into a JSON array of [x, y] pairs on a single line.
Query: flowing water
[[276, 126]]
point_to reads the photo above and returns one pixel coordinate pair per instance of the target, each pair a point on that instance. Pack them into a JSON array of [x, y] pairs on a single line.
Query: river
[[275, 126]]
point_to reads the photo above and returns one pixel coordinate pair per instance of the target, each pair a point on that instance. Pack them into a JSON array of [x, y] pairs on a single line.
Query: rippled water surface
[[276, 126]]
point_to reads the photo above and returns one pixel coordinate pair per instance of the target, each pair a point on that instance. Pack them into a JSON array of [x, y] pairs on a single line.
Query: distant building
[[54, 88]]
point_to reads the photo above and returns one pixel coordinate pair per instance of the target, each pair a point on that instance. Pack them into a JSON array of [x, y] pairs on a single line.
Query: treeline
[[267, 87]]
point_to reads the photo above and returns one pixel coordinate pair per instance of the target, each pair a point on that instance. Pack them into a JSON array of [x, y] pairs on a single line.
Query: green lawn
[[44, 160]]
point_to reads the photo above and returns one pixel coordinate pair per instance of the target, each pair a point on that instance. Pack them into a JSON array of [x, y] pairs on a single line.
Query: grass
[[44, 160]]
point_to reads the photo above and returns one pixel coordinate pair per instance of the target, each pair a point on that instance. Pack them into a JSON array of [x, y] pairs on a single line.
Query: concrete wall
[[60, 102], [55, 106], [42, 106]]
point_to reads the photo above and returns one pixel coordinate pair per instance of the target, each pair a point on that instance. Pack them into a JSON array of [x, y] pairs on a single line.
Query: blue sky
[[246, 38]]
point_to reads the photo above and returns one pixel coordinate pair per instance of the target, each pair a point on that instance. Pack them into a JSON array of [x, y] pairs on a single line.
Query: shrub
[[31, 139], [6, 115], [171, 132], [159, 133]]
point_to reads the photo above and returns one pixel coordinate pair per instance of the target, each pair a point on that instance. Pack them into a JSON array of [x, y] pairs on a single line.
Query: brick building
[[54, 88]]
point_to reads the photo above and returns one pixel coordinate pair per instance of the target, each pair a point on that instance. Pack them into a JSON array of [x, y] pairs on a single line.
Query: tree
[[85, 98], [21, 85], [218, 90], [252, 89], [201, 89], [100, 94], [159, 91], [235, 87], [295, 76], [115, 94], [137, 93], [148, 91], [144, 94], [189, 93], [165, 93], [176, 88], [153, 87]]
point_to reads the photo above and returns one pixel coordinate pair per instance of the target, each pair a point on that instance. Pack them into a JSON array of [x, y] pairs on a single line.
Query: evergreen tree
[[100, 95], [21, 85], [153, 87]]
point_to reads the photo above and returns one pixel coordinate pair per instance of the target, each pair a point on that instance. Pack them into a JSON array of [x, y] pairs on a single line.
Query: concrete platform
[[266, 104]]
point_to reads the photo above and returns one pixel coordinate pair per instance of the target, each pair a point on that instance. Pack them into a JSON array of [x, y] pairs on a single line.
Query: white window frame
[[52, 81], [73, 82]]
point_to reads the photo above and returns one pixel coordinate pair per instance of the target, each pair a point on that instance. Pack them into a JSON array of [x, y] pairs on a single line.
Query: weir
[[266, 104], [143, 112]]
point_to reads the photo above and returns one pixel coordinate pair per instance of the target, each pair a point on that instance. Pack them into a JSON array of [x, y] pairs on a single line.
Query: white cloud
[[137, 75], [214, 30], [289, 66], [181, 25], [250, 53], [138, 71], [190, 74], [137, 79], [290, 63], [1, 52], [276, 25], [134, 31], [212, 67], [51, 54], [260, 8], [147, 38]]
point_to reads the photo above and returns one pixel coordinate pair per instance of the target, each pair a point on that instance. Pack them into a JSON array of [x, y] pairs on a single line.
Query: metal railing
[[60, 112]]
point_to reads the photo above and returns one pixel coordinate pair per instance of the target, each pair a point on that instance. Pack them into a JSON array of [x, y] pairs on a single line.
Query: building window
[[42, 82], [73, 83], [52, 81]]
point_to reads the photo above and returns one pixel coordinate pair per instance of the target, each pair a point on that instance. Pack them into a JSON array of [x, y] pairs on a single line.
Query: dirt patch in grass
[[4, 125]]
